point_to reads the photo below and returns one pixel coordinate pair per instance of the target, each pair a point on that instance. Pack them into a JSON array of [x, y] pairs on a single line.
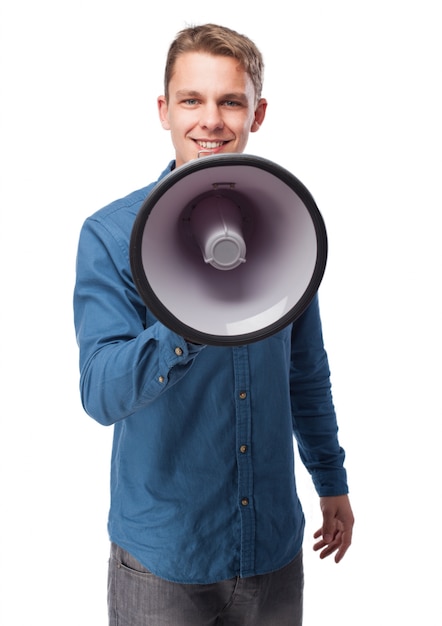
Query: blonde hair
[[216, 40]]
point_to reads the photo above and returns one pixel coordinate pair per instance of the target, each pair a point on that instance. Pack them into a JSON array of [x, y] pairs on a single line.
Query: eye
[[190, 101], [232, 103]]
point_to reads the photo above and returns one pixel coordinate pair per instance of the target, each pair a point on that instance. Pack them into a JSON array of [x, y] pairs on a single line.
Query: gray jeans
[[138, 598]]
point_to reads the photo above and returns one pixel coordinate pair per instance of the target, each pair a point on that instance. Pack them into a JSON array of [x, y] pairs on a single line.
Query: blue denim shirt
[[202, 470]]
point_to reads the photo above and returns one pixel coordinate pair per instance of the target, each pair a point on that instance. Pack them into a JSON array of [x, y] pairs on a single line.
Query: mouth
[[210, 145]]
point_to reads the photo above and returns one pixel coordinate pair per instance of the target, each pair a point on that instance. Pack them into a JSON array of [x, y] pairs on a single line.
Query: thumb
[[328, 530], [329, 524]]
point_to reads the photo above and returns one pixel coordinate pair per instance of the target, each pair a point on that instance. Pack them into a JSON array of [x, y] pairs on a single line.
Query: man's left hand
[[336, 532]]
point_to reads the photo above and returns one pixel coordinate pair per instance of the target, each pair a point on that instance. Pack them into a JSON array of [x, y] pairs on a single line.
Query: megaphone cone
[[228, 249]]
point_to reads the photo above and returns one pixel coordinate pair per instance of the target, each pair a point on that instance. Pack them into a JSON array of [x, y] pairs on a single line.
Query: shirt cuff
[[330, 482]]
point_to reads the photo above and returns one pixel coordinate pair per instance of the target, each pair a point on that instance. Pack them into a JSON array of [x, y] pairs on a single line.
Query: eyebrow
[[187, 93], [191, 93]]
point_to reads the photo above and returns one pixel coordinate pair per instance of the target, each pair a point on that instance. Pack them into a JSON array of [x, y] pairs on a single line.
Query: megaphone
[[228, 249]]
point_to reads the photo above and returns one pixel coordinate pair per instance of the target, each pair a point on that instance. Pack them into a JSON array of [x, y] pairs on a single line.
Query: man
[[205, 524]]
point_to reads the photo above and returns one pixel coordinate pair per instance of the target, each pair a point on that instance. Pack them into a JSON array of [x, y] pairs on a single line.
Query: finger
[[322, 543], [319, 546], [327, 548], [326, 536], [329, 529], [318, 533], [346, 538]]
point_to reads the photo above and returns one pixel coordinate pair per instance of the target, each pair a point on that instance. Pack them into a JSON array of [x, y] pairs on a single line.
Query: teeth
[[210, 144]]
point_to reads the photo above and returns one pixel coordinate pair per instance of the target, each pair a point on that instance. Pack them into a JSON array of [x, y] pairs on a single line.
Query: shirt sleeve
[[127, 357], [314, 418]]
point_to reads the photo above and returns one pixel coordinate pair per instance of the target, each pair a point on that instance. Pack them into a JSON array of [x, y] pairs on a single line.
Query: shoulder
[[128, 205], [120, 214]]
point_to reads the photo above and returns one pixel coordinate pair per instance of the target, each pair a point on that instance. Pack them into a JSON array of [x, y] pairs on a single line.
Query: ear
[[163, 112], [260, 113]]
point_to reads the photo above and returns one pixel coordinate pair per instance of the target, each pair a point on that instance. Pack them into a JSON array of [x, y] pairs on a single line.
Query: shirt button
[[245, 501], [161, 379], [243, 449], [243, 395], [178, 351]]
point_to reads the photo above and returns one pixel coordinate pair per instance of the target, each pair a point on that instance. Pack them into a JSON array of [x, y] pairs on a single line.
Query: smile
[[210, 144]]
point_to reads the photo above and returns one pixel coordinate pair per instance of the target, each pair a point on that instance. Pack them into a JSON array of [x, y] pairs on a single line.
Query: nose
[[211, 117]]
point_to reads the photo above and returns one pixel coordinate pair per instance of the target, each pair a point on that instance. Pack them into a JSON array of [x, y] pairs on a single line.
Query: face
[[212, 106]]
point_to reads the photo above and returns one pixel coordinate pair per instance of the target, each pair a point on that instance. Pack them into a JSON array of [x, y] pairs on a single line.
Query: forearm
[[317, 438], [127, 358], [314, 419], [123, 377]]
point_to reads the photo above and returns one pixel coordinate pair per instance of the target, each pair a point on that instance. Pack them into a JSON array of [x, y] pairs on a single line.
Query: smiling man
[[205, 523], [211, 105]]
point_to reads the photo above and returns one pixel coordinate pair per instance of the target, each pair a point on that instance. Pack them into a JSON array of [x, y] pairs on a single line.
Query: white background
[[354, 91]]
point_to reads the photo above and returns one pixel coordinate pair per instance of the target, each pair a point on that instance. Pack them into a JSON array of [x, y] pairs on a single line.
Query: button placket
[[244, 458]]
